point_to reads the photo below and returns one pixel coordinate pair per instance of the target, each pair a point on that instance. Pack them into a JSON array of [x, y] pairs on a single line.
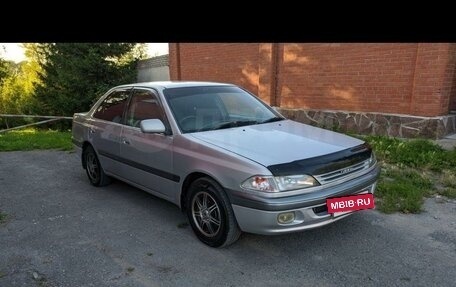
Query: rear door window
[[112, 108]]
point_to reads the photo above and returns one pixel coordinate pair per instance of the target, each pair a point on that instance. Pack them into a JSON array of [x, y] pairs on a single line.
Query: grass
[[412, 170], [30, 139], [402, 189], [449, 192], [418, 153], [3, 217]]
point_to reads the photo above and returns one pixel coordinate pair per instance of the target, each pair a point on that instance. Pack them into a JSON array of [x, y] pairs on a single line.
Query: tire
[[94, 170], [210, 214]]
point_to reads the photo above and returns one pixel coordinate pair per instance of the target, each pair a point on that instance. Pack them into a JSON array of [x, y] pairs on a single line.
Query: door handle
[[125, 141], [92, 131]]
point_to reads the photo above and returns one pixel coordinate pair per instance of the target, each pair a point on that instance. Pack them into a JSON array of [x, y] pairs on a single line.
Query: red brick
[[416, 79]]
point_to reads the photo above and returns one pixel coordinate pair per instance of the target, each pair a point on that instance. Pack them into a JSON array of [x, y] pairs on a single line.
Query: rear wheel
[[210, 214], [94, 170]]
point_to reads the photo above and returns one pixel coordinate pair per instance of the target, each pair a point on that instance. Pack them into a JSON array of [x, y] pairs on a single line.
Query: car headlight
[[279, 183], [292, 182]]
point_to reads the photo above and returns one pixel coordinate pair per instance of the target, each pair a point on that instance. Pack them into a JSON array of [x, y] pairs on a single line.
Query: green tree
[[3, 70], [16, 88], [16, 94], [74, 75]]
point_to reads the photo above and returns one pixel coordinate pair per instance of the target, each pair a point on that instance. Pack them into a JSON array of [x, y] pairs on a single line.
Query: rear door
[[147, 158], [105, 128]]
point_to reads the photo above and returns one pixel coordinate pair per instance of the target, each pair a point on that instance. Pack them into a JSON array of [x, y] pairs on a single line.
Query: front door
[[148, 157]]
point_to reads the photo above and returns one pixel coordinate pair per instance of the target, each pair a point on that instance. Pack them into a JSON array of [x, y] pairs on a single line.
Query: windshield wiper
[[274, 119], [233, 124]]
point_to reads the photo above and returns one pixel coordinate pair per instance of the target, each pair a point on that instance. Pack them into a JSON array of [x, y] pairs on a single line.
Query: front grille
[[343, 172]]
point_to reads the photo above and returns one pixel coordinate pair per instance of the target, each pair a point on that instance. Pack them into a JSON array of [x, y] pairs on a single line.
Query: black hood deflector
[[323, 164]]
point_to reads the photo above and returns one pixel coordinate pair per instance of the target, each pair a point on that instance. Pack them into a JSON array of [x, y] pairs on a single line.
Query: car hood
[[278, 142]]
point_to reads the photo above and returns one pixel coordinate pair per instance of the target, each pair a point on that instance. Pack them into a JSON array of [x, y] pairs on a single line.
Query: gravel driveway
[[61, 231]]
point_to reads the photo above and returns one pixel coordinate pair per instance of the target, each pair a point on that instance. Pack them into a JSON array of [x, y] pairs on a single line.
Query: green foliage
[[30, 139], [448, 180], [402, 190], [417, 153], [4, 70], [412, 169], [16, 89], [450, 159], [76, 74], [60, 79], [449, 192]]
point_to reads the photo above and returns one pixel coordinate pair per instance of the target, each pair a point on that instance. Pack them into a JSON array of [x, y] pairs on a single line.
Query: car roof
[[174, 84]]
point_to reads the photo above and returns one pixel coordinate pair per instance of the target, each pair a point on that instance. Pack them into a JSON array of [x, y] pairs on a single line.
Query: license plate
[[342, 205]]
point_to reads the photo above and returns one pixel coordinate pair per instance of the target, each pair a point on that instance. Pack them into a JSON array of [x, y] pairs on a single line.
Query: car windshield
[[199, 109]]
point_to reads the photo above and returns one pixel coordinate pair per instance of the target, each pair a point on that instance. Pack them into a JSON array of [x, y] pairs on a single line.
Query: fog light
[[286, 217]]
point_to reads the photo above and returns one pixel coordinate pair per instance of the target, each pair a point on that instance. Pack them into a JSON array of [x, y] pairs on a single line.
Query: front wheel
[[94, 169], [210, 214]]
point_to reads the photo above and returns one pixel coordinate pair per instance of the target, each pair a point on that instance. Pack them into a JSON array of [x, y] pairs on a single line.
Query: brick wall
[[451, 77], [233, 63], [415, 79], [433, 84]]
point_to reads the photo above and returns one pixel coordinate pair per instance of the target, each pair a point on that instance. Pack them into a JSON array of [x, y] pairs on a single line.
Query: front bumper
[[259, 215]]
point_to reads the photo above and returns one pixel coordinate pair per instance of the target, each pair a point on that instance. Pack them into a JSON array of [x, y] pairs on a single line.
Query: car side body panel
[[147, 160]]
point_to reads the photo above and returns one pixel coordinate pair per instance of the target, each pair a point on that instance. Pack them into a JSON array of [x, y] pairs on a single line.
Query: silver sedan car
[[226, 158]]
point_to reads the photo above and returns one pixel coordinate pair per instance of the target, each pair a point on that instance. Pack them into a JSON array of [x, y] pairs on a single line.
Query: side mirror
[[153, 126]]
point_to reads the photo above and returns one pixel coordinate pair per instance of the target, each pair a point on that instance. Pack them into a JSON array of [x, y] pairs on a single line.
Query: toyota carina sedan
[[226, 158]]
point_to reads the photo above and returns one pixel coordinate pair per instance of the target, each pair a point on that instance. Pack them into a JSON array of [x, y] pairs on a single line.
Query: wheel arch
[[186, 184]]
